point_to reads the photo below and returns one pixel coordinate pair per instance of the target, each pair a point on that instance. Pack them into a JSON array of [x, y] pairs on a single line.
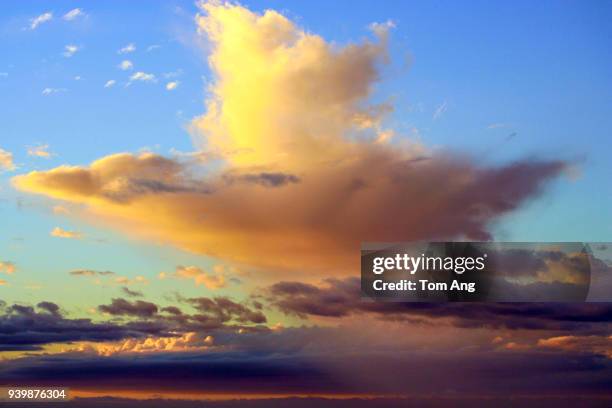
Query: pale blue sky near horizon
[[496, 80]]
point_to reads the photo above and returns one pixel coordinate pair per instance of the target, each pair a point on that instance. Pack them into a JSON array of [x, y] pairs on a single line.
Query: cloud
[[581, 344], [41, 150], [199, 276], [287, 102], [127, 49], [51, 91], [173, 74], [497, 125], [25, 328], [153, 47], [263, 179], [131, 293], [110, 83], [60, 210], [73, 14], [381, 29], [110, 278], [89, 272], [440, 110], [171, 86], [211, 314], [6, 161], [222, 310], [38, 20], [122, 307], [126, 65], [143, 76], [7, 267], [62, 233], [188, 342], [331, 372], [70, 50], [139, 279], [49, 307], [119, 178], [341, 298]]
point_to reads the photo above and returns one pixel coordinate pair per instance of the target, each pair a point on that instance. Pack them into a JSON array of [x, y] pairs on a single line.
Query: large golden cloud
[[307, 170]]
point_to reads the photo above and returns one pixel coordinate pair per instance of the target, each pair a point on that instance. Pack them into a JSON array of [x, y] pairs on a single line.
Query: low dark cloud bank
[[342, 297], [28, 328], [367, 373]]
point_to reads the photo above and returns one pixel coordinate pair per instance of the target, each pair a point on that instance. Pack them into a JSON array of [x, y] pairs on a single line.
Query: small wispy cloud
[[510, 136], [153, 47], [73, 14], [131, 47], [90, 272], [171, 86], [60, 210], [51, 91], [123, 280], [110, 83], [3, 74], [497, 125], [440, 110], [70, 50], [38, 20], [126, 65], [130, 292], [6, 161], [109, 278], [62, 233], [41, 150], [173, 74], [381, 29], [143, 76]]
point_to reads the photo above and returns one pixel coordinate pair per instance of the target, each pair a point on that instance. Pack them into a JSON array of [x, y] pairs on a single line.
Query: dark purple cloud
[[224, 310], [270, 371], [342, 297], [131, 293], [266, 179], [122, 307], [26, 328]]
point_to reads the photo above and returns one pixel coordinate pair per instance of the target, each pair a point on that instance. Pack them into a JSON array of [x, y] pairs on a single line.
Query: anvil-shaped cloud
[[305, 170]]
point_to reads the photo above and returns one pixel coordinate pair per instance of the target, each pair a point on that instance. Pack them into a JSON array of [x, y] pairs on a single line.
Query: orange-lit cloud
[[109, 277], [7, 267], [306, 169], [59, 232], [585, 344], [60, 210], [186, 342], [199, 276], [39, 151], [6, 161]]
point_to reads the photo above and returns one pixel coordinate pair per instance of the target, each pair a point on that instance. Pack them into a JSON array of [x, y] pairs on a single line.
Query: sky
[[193, 181]]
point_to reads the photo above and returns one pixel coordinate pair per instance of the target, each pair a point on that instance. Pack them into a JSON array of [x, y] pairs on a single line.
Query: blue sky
[[497, 81]]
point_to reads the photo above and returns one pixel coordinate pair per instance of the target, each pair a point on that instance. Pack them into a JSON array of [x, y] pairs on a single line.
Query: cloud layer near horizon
[[307, 169]]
